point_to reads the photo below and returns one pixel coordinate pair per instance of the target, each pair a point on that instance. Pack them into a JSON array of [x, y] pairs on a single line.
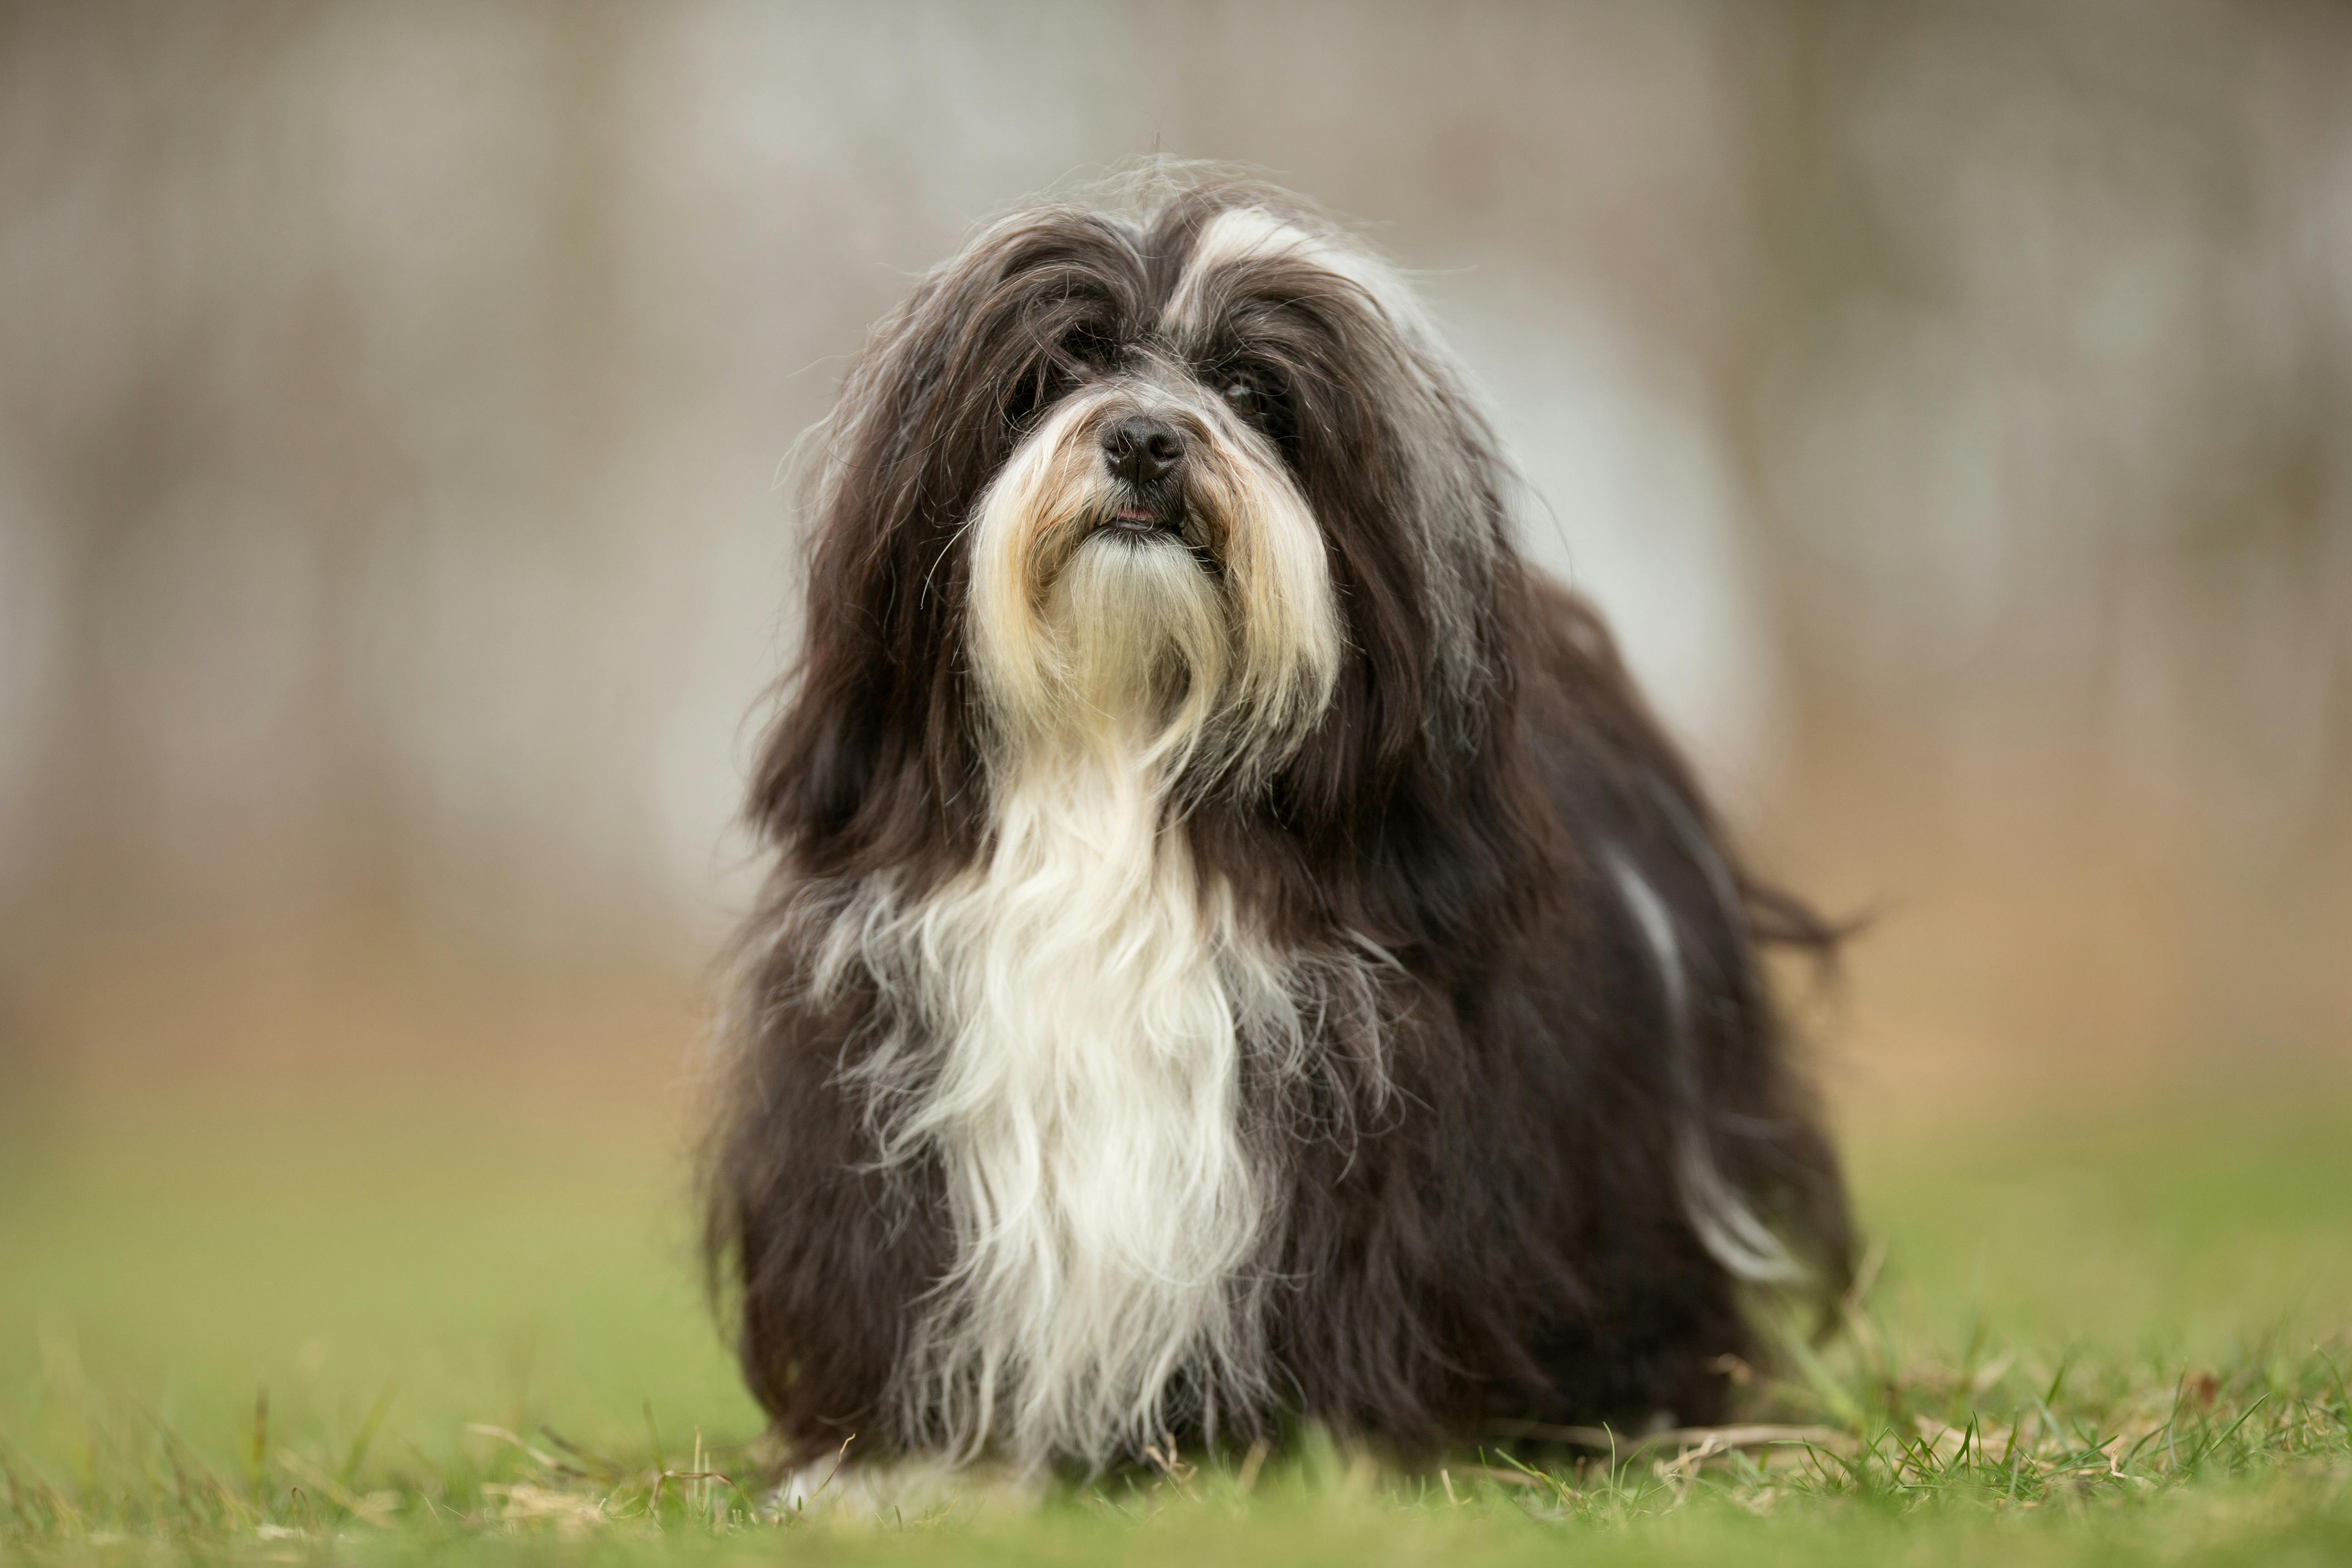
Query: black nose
[[1142, 451]]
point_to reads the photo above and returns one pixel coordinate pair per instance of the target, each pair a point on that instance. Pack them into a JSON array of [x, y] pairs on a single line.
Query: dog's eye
[[1088, 348], [1245, 395]]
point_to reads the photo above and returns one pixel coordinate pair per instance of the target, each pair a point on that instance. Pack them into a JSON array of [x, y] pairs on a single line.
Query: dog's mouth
[[1146, 517], [1152, 517]]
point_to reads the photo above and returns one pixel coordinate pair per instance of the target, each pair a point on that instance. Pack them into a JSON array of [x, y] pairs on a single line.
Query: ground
[[246, 1325]]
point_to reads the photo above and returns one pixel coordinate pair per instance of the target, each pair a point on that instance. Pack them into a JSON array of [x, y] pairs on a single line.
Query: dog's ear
[[844, 777], [873, 760], [1398, 466]]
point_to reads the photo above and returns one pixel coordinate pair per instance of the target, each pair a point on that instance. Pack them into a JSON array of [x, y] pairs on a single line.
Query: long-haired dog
[[1238, 951]]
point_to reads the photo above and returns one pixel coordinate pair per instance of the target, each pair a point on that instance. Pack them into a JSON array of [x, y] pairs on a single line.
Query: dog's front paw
[[904, 1488]]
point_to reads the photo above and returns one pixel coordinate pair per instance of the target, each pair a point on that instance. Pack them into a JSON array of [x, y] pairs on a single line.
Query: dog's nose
[[1143, 451]]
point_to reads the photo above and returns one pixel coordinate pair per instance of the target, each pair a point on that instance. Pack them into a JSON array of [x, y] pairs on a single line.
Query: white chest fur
[[1085, 1004]]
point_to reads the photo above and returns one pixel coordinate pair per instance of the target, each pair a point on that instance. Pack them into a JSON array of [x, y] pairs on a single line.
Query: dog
[[1238, 951]]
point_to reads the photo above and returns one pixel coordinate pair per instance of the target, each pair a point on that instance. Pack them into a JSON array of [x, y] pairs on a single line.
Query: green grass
[[233, 1333]]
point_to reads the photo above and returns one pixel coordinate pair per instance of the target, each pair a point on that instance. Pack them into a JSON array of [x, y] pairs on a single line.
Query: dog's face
[[1162, 484], [1146, 568]]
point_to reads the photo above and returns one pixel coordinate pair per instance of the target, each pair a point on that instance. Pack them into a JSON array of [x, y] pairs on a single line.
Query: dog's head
[[1194, 480]]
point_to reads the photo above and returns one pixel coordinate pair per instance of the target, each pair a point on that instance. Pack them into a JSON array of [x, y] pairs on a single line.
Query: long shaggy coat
[[1237, 949]]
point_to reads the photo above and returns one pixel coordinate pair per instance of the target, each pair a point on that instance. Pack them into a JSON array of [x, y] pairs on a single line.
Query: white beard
[[1072, 1015], [1084, 1004]]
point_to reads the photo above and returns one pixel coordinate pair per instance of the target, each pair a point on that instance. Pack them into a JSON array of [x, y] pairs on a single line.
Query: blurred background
[[1952, 404]]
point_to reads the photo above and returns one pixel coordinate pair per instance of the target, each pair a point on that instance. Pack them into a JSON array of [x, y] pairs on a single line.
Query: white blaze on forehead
[[1241, 234]]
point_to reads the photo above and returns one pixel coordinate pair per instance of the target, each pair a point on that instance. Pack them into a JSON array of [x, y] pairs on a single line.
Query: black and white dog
[[1238, 950]]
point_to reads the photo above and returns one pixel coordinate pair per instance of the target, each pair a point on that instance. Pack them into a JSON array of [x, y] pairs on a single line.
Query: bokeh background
[[1951, 404]]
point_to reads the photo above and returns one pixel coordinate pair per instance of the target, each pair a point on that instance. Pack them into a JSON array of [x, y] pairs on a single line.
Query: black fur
[[1502, 1237]]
